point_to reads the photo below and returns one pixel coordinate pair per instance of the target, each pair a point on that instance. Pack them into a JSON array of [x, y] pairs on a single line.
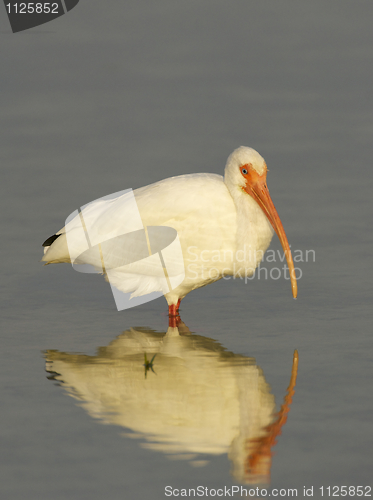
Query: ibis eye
[[244, 171]]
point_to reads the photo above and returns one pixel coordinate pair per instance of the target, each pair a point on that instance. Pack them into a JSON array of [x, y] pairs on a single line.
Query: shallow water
[[113, 97]]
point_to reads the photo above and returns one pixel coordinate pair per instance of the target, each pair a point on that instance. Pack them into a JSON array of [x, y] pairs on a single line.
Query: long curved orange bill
[[256, 187]]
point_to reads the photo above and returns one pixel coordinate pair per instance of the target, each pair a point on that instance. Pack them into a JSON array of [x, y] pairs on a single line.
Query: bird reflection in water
[[202, 401]]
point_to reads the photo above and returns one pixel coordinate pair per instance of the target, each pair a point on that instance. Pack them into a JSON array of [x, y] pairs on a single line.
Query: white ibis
[[224, 226]]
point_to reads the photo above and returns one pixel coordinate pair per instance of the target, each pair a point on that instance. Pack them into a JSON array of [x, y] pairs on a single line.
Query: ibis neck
[[254, 232]]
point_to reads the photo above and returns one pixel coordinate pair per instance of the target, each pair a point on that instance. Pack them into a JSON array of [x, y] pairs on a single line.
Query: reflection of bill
[[141, 263]]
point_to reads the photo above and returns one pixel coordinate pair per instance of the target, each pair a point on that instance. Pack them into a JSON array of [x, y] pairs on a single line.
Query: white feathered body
[[222, 231]]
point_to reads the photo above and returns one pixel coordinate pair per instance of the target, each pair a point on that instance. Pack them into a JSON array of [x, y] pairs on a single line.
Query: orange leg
[[173, 310], [173, 314]]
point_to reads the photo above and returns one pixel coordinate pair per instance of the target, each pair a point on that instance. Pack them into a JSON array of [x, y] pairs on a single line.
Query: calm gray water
[[113, 96]]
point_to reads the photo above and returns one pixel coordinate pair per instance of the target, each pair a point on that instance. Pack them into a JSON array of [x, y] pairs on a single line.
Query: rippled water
[[110, 97]]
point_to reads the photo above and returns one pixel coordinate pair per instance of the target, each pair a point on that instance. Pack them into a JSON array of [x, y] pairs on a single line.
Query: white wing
[[198, 206]]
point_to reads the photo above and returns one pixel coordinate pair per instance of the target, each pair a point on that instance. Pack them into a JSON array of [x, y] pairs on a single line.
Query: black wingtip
[[50, 240]]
